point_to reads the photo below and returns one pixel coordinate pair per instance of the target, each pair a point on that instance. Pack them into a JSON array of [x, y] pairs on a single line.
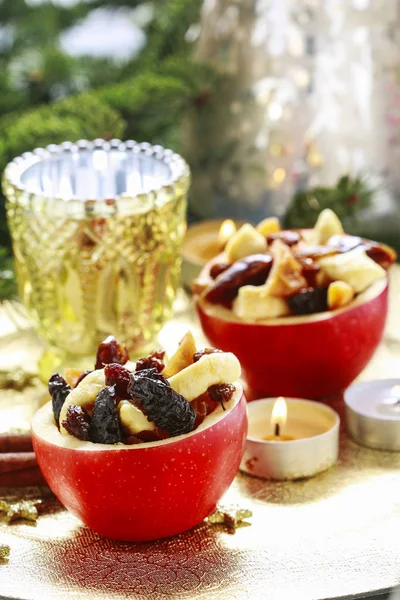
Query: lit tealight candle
[[278, 421], [373, 413], [309, 429], [204, 241]]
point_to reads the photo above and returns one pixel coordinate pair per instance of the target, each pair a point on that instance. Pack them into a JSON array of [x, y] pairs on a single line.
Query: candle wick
[[277, 429]]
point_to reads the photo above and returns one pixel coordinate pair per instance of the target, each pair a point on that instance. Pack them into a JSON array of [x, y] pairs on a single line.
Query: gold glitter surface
[[334, 535]]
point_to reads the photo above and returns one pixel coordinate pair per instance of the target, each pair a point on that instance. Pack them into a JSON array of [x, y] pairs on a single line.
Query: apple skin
[[314, 357], [147, 491]]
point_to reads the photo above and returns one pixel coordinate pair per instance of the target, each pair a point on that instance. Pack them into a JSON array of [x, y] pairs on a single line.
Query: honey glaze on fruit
[[121, 403], [267, 273]]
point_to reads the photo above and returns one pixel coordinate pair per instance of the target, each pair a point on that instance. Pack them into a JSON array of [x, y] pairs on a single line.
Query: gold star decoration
[[231, 516]]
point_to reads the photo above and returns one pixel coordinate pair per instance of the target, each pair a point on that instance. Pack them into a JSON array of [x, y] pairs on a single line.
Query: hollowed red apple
[[147, 491], [312, 356]]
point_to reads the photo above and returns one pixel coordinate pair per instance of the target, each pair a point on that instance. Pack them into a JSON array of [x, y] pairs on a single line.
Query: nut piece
[[183, 357], [132, 419], [245, 242], [340, 293], [268, 226], [211, 369], [353, 267], [84, 394], [327, 225], [285, 278]]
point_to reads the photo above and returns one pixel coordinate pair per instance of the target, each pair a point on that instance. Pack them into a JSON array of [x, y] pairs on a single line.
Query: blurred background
[[280, 106]]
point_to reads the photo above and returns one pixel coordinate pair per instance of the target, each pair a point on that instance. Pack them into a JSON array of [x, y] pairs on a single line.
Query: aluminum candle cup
[[373, 413], [97, 229], [309, 445]]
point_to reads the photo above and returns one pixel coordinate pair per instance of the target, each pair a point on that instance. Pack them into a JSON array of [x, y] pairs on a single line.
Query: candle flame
[[279, 413], [226, 231]]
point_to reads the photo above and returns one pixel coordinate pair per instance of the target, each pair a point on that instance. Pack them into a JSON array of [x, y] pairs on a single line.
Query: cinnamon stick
[[22, 477], [15, 461], [15, 442]]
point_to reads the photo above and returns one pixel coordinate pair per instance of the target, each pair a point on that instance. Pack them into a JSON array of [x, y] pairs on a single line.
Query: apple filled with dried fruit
[[145, 451], [303, 310]]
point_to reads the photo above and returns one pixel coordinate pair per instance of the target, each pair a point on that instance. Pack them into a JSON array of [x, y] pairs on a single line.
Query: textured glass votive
[[97, 229]]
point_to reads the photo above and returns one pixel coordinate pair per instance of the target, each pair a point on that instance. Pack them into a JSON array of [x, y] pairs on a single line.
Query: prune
[[198, 355], [291, 238], [161, 404], [307, 302], [110, 351], [58, 390], [153, 360], [104, 427], [119, 376], [83, 376], [77, 422], [221, 393], [218, 268], [252, 270], [152, 374]]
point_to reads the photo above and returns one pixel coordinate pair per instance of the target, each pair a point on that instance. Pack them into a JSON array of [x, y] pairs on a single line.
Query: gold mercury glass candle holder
[[97, 229]]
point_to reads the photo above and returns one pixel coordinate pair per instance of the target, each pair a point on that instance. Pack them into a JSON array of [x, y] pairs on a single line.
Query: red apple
[[150, 490], [312, 356]]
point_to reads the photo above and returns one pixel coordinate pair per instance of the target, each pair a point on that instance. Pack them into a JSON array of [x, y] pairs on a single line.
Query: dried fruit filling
[[267, 272], [154, 400]]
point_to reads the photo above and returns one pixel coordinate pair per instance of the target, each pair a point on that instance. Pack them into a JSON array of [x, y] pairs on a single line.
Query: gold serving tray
[[331, 536]]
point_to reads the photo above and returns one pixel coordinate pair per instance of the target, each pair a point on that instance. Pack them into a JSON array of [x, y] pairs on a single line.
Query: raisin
[[252, 270], [82, 376], [131, 440], [105, 428], [58, 390], [160, 403], [217, 269], [198, 355], [110, 351], [382, 254], [307, 302], [291, 238], [119, 376], [221, 393], [153, 360], [77, 422], [152, 374]]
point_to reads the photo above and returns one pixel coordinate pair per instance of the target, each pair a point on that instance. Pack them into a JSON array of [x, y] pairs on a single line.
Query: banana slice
[[268, 226], [353, 267], [183, 357], [84, 395], [327, 225], [245, 242], [132, 419], [285, 278], [211, 369], [251, 304]]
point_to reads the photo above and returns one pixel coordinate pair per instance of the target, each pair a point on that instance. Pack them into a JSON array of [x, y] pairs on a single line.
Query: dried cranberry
[[77, 422], [198, 355], [152, 361], [160, 403], [120, 377], [290, 238], [307, 302], [105, 427], [82, 376], [252, 270], [217, 269], [58, 390], [110, 351], [221, 393]]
